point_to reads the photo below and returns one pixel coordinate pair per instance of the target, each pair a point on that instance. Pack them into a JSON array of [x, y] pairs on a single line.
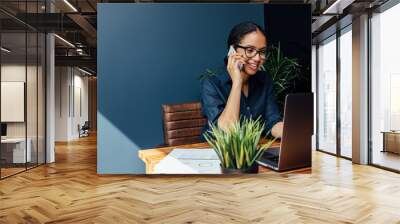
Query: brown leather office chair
[[182, 123]]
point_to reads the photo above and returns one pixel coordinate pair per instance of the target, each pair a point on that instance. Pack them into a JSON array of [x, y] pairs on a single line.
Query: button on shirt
[[260, 101]]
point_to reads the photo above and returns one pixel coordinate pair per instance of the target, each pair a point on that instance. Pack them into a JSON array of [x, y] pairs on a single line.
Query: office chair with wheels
[[84, 130]]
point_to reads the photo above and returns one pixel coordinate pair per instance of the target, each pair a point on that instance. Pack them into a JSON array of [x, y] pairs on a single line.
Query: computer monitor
[[3, 129]]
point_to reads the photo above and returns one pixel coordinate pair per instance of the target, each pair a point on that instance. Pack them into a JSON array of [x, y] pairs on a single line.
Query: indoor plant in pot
[[238, 147]]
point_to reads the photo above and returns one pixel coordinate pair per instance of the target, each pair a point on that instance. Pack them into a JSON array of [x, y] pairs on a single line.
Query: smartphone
[[232, 51]]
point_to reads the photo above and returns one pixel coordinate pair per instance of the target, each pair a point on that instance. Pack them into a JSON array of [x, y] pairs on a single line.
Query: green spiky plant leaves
[[284, 71], [238, 147]]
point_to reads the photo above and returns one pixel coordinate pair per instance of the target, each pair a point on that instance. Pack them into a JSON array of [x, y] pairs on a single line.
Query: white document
[[189, 161], [200, 154]]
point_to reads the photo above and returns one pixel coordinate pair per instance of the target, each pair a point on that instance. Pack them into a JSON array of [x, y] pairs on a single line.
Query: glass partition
[[22, 77], [14, 151], [32, 95], [385, 89], [346, 92], [327, 96], [41, 97]]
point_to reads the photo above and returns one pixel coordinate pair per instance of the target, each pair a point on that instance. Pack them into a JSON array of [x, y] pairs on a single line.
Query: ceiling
[[76, 22]]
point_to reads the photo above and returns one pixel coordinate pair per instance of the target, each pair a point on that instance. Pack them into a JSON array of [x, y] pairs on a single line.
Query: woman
[[243, 90]]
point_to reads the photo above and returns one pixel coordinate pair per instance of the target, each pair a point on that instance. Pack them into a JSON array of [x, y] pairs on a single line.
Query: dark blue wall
[[150, 54]]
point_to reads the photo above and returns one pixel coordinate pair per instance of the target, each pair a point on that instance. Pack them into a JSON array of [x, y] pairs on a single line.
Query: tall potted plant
[[284, 71], [238, 148]]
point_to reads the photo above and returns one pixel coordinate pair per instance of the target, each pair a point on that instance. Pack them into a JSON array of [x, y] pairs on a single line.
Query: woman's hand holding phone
[[235, 63]]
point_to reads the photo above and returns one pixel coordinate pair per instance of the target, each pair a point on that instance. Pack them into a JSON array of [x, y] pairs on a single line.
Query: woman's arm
[[272, 114], [277, 130], [231, 112]]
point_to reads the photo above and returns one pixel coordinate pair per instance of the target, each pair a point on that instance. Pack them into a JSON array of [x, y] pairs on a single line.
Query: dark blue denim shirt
[[259, 102]]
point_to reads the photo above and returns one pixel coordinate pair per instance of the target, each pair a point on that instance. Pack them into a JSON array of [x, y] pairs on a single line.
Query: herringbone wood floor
[[70, 191]]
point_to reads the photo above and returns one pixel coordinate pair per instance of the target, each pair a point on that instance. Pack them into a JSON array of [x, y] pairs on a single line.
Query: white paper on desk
[[206, 154], [189, 161]]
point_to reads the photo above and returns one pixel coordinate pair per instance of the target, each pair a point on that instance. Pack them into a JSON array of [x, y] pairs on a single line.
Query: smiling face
[[252, 42]]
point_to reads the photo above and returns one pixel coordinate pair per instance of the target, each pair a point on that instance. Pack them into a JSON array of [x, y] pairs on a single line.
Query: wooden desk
[[151, 157]]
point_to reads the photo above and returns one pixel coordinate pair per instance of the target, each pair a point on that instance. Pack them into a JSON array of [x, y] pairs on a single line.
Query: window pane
[[14, 150], [22, 89], [327, 96], [385, 84], [345, 94], [41, 98], [31, 100]]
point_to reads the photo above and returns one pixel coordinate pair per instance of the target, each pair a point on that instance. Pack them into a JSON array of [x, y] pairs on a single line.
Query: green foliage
[[209, 73], [238, 147], [284, 72]]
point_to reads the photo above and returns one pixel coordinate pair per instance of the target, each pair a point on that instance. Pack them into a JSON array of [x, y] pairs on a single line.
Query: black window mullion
[[369, 100], [37, 90], [26, 86], [317, 96], [338, 98]]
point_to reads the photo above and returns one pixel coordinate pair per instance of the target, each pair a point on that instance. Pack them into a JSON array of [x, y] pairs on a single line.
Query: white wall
[[62, 81], [80, 110], [33, 126], [17, 73], [9, 73], [71, 102]]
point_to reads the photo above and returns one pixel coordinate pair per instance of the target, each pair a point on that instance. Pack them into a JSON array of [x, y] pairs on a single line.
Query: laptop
[[295, 149]]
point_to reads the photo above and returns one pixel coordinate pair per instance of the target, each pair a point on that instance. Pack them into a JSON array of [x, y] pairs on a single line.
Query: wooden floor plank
[[70, 191]]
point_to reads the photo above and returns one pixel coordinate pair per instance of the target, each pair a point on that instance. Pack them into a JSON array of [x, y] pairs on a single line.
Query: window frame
[[336, 35], [381, 9]]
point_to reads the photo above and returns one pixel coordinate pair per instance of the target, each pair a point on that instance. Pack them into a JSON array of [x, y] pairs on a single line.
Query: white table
[[19, 152]]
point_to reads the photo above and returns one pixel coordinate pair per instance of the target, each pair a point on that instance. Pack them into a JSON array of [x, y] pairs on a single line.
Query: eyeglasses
[[252, 52]]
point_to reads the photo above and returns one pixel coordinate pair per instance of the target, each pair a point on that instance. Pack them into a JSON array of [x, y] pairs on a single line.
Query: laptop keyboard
[[273, 158], [272, 152], [270, 156]]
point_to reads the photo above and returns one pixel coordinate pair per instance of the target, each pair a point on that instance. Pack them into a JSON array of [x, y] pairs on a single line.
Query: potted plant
[[238, 147], [285, 72]]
